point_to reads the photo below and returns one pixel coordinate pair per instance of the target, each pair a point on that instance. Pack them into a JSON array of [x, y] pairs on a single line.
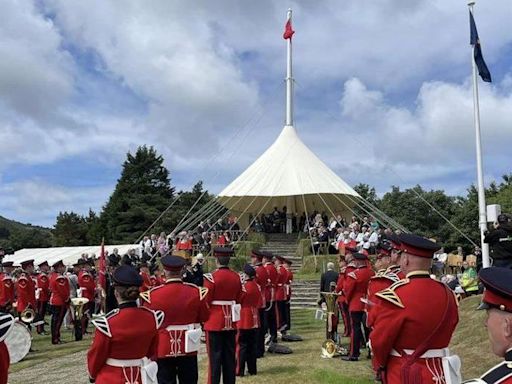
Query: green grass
[[45, 350]]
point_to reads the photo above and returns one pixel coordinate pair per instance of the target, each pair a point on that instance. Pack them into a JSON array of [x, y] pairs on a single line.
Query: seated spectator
[[469, 279]]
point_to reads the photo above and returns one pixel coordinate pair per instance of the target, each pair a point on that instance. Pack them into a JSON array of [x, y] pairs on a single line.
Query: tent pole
[[289, 78]]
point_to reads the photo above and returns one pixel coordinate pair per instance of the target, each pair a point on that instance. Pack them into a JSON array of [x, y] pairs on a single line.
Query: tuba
[[28, 315], [77, 305], [329, 347]]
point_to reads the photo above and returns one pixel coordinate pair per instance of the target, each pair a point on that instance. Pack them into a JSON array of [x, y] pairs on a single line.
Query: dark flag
[[483, 71]]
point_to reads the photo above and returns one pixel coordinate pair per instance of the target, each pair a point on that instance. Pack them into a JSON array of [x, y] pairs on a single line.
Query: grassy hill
[[15, 235], [470, 340]]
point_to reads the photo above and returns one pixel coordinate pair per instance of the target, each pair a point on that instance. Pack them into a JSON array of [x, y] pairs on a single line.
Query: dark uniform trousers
[[184, 368], [246, 351], [261, 333], [345, 314], [221, 355], [58, 313], [41, 313], [281, 312], [271, 322], [356, 336], [288, 316], [88, 312]]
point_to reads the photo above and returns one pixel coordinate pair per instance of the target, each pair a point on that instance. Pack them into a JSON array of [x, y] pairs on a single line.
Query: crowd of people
[[157, 312], [392, 304]]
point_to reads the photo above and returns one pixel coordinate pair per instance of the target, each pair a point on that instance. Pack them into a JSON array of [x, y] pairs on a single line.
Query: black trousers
[[356, 336], [281, 315], [41, 313], [58, 313], [288, 316], [181, 369], [260, 342], [221, 355], [271, 322], [88, 312], [345, 315], [246, 351]]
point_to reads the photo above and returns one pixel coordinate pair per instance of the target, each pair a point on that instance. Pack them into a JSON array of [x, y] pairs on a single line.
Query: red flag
[[288, 31], [102, 279]]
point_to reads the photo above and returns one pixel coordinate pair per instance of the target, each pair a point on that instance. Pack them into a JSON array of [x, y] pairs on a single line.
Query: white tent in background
[[288, 174], [69, 255]]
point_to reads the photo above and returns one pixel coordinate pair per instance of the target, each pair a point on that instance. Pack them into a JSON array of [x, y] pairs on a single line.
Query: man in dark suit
[[327, 278]]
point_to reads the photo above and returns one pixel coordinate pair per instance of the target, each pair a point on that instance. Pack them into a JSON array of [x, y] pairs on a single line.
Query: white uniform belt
[[124, 363], [431, 353], [223, 302], [183, 327]]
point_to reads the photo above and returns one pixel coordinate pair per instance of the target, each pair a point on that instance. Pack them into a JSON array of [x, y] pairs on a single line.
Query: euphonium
[[28, 315], [329, 346]]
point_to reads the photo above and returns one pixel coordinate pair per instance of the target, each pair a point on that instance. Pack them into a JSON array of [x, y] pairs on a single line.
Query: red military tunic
[[282, 278], [251, 302], [26, 291], [59, 286], [340, 284], [43, 287], [6, 324], [185, 306], [262, 280], [270, 289], [128, 333], [408, 313], [356, 286], [87, 285], [224, 289], [379, 282], [6, 290]]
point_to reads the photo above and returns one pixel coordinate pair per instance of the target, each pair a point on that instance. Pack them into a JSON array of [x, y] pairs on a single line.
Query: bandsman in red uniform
[[25, 288], [288, 319], [59, 299], [185, 308], [262, 281], [87, 285], [382, 279], [342, 300], [6, 324], [355, 288], [281, 294], [126, 338], [396, 253], [7, 293], [415, 319], [42, 294], [146, 279], [270, 297], [247, 327], [224, 294], [497, 301]]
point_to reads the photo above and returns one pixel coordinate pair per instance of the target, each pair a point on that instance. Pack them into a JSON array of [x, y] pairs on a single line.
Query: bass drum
[[18, 342]]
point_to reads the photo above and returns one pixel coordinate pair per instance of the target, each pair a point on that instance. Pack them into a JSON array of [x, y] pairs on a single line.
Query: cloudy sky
[[383, 93]]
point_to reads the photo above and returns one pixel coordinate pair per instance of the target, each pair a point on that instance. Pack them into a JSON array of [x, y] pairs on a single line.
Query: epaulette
[[390, 295], [146, 296], [6, 323], [101, 323], [202, 290], [159, 316], [243, 281], [387, 275], [496, 374], [352, 275], [209, 277]]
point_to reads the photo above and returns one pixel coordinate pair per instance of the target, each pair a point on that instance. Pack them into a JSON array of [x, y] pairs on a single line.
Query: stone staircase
[[285, 245], [304, 293]]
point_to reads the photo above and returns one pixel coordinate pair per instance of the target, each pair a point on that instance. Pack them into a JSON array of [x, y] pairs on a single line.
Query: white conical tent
[[288, 174]]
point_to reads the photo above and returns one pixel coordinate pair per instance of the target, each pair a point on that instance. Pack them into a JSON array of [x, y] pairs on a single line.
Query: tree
[[70, 230], [142, 193]]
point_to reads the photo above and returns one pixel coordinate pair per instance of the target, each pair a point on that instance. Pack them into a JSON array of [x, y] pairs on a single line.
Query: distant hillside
[[15, 235]]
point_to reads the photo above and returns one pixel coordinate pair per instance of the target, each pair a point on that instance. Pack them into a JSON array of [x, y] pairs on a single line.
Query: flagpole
[[482, 214], [289, 78]]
